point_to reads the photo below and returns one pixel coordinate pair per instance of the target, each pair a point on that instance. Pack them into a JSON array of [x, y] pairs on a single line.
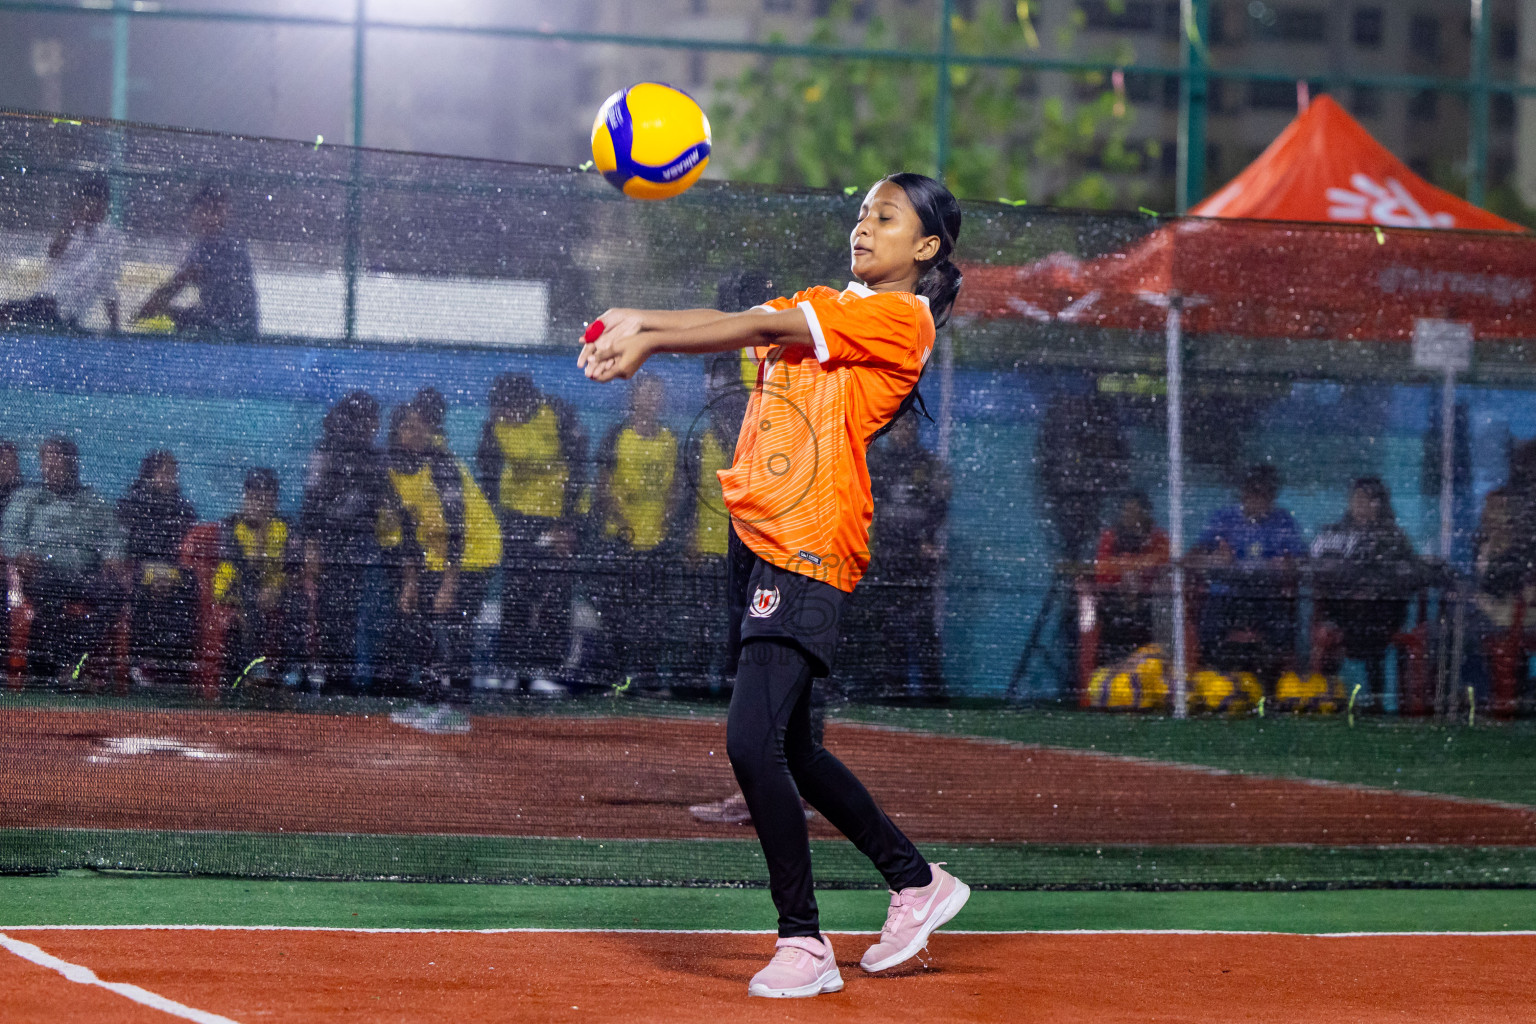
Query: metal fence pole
[[120, 60], [354, 190], [941, 98], [1477, 105], [119, 105], [1175, 371], [1195, 20]]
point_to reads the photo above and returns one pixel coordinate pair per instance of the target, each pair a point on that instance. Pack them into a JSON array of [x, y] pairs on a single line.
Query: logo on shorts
[[765, 601]]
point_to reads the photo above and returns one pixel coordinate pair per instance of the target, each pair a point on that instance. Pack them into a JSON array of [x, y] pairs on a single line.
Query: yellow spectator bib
[[711, 524], [534, 472], [482, 533], [643, 472]]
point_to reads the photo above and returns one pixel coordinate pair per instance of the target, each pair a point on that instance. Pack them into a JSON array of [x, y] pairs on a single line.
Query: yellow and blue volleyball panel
[[651, 141]]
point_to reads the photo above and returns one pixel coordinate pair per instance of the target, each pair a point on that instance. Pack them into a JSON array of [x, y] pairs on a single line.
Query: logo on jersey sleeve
[[765, 601]]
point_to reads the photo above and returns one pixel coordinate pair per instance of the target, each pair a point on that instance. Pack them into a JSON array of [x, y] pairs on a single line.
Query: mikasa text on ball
[[650, 141]]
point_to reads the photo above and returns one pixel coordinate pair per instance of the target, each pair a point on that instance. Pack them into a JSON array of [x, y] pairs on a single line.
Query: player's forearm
[[677, 319], [732, 331]]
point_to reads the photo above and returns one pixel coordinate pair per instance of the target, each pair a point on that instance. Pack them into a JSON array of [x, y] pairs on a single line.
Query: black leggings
[[777, 760]]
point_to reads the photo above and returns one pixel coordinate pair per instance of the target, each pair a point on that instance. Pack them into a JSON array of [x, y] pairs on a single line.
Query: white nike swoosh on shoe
[[921, 916]]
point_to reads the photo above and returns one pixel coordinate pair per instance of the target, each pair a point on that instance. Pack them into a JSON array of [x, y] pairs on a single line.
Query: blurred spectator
[[1503, 580], [704, 525], [1365, 570], [1082, 457], [219, 266], [10, 475], [911, 490], [1499, 575], [1250, 551], [639, 487], [155, 516], [453, 542], [84, 260], [1519, 504], [1131, 560], [351, 524], [65, 543], [256, 576], [531, 459]]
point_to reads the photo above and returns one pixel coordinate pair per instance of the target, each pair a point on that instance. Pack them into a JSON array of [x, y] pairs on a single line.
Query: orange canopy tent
[[1326, 270], [1339, 276]]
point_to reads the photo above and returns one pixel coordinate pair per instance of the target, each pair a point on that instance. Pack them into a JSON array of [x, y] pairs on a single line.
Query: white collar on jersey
[[863, 291]]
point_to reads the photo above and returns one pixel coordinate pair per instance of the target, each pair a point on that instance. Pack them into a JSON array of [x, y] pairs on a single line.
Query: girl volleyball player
[[834, 368]]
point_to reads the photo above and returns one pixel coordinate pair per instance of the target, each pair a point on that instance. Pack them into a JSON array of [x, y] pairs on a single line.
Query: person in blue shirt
[[1250, 553], [219, 264]]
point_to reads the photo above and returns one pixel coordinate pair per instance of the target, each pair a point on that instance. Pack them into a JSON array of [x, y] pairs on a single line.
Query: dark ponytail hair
[[939, 212]]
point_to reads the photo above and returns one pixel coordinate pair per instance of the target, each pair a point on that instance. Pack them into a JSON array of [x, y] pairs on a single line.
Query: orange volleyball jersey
[[798, 488]]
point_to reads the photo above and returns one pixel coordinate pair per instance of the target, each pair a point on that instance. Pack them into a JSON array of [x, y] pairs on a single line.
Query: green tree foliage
[[843, 122]]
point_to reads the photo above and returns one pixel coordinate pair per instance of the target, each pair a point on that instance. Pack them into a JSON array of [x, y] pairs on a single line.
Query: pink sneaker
[[914, 914], [802, 967]]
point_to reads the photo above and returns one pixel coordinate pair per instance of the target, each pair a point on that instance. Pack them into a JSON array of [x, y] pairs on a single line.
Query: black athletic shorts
[[766, 601]]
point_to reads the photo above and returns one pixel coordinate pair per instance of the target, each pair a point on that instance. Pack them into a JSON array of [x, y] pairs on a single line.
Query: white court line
[[85, 976], [1513, 933]]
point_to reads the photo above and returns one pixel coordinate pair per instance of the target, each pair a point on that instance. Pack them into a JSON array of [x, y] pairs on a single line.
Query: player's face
[[888, 240]]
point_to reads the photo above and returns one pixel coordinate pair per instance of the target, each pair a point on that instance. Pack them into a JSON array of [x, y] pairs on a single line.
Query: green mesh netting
[[1246, 618]]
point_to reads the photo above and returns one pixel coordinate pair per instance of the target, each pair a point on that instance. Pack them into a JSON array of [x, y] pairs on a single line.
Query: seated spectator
[[1504, 582], [66, 545], [453, 542], [639, 488], [1365, 570], [532, 460], [155, 517], [10, 474], [219, 266], [256, 576], [84, 260], [1250, 552], [352, 532], [1131, 561]]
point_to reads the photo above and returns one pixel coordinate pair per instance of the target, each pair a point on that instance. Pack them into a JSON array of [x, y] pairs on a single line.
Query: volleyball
[[651, 141], [1224, 695]]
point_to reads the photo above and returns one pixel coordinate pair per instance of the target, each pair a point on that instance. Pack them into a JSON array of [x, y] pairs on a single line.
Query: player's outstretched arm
[[629, 321], [619, 353]]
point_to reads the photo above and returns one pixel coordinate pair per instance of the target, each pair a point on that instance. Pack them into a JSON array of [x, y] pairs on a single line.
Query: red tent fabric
[[1326, 167], [1341, 278]]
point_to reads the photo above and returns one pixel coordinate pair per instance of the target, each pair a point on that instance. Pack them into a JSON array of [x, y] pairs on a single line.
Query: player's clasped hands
[[615, 352]]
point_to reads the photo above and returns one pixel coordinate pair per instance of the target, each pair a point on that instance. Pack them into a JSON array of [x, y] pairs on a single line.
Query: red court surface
[[679, 978], [634, 777]]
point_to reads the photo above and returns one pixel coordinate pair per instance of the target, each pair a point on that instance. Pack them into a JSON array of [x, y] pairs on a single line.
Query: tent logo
[[1390, 205]]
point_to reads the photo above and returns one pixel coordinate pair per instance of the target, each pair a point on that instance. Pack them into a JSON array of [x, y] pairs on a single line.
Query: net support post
[[941, 95], [1194, 21], [120, 60], [1175, 369], [354, 188], [946, 343], [1445, 346], [1477, 156]]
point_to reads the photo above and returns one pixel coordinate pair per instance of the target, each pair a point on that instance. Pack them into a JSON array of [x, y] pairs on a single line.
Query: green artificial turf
[[93, 898], [736, 862], [1486, 760]]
